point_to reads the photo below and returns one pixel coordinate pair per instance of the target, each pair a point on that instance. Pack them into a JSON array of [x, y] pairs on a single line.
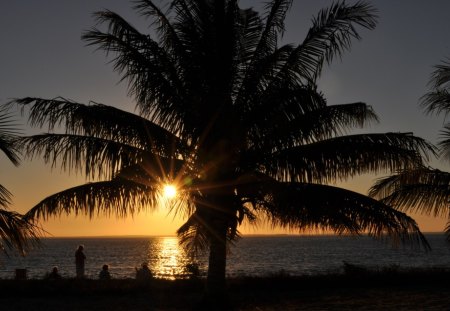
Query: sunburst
[[169, 191]]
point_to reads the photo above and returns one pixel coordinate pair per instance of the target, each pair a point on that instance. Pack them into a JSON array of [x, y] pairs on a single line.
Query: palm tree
[[15, 232], [424, 189], [234, 120]]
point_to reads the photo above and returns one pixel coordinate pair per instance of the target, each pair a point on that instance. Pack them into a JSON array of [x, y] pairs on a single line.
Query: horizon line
[[243, 235]]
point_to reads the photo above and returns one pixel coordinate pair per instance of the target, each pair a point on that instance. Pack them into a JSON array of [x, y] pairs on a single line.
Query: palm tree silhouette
[[230, 117], [15, 232], [424, 189]]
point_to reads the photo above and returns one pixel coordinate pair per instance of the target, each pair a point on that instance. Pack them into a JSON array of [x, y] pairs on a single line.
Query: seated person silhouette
[[144, 273], [104, 274], [54, 275]]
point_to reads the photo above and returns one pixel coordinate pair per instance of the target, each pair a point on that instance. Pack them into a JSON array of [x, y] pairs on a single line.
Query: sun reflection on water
[[168, 259]]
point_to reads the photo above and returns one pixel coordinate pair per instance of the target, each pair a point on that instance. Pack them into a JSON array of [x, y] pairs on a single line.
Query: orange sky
[[45, 182]]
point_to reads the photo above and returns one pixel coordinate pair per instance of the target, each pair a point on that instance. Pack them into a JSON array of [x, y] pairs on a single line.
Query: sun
[[169, 191]]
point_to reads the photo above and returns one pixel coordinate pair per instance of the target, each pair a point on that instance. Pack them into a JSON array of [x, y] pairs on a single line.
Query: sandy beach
[[418, 290]]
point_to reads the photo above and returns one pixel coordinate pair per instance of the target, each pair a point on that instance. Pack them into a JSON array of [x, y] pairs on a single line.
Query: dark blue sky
[[42, 55]]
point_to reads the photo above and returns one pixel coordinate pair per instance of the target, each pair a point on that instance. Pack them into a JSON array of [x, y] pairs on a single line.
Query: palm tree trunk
[[215, 282]]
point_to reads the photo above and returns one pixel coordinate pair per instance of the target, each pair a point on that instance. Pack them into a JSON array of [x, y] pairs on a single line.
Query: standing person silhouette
[[80, 258]]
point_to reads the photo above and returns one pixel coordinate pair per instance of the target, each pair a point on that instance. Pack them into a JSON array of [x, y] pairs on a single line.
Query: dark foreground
[[357, 289]]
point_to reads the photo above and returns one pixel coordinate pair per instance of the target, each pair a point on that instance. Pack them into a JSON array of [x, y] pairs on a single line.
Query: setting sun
[[169, 191]]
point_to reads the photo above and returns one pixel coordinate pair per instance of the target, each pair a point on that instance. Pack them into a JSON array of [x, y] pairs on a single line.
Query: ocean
[[250, 256]]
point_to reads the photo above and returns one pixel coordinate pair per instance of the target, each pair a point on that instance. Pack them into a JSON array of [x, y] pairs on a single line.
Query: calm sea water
[[258, 256]]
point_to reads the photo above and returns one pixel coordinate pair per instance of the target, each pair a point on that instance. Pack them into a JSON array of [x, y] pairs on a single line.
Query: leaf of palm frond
[[272, 115], [261, 57], [8, 125], [259, 82], [421, 190], [440, 78], [192, 235], [447, 231], [273, 28], [251, 68], [386, 185], [100, 120], [275, 16], [311, 206], [10, 149], [119, 197], [438, 98], [94, 157], [331, 34], [444, 144], [150, 70], [333, 120], [253, 187], [436, 101], [251, 27], [322, 123], [5, 197], [8, 133], [165, 29], [151, 169], [17, 232], [346, 156]]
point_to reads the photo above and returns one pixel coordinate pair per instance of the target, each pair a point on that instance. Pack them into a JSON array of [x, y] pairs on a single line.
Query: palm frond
[[261, 54], [5, 197], [8, 133], [258, 85], [100, 121], [273, 27], [17, 232], [331, 34], [192, 236], [440, 78], [268, 44], [342, 157], [330, 121], [444, 143], [303, 206], [324, 122], [149, 69], [422, 190], [119, 197], [167, 32], [266, 120], [84, 153], [437, 99], [154, 168], [250, 27], [195, 234]]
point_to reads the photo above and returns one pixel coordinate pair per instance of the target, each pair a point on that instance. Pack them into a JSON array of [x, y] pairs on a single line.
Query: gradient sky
[[42, 55]]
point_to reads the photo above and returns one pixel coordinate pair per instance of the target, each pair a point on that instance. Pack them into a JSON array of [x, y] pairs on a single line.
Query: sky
[[42, 55]]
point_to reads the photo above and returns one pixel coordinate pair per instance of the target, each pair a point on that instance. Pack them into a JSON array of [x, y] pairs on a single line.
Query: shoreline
[[356, 289]]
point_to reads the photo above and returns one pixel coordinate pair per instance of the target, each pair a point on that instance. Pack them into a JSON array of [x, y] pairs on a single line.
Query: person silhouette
[[143, 273], [104, 274], [54, 275], [80, 258]]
